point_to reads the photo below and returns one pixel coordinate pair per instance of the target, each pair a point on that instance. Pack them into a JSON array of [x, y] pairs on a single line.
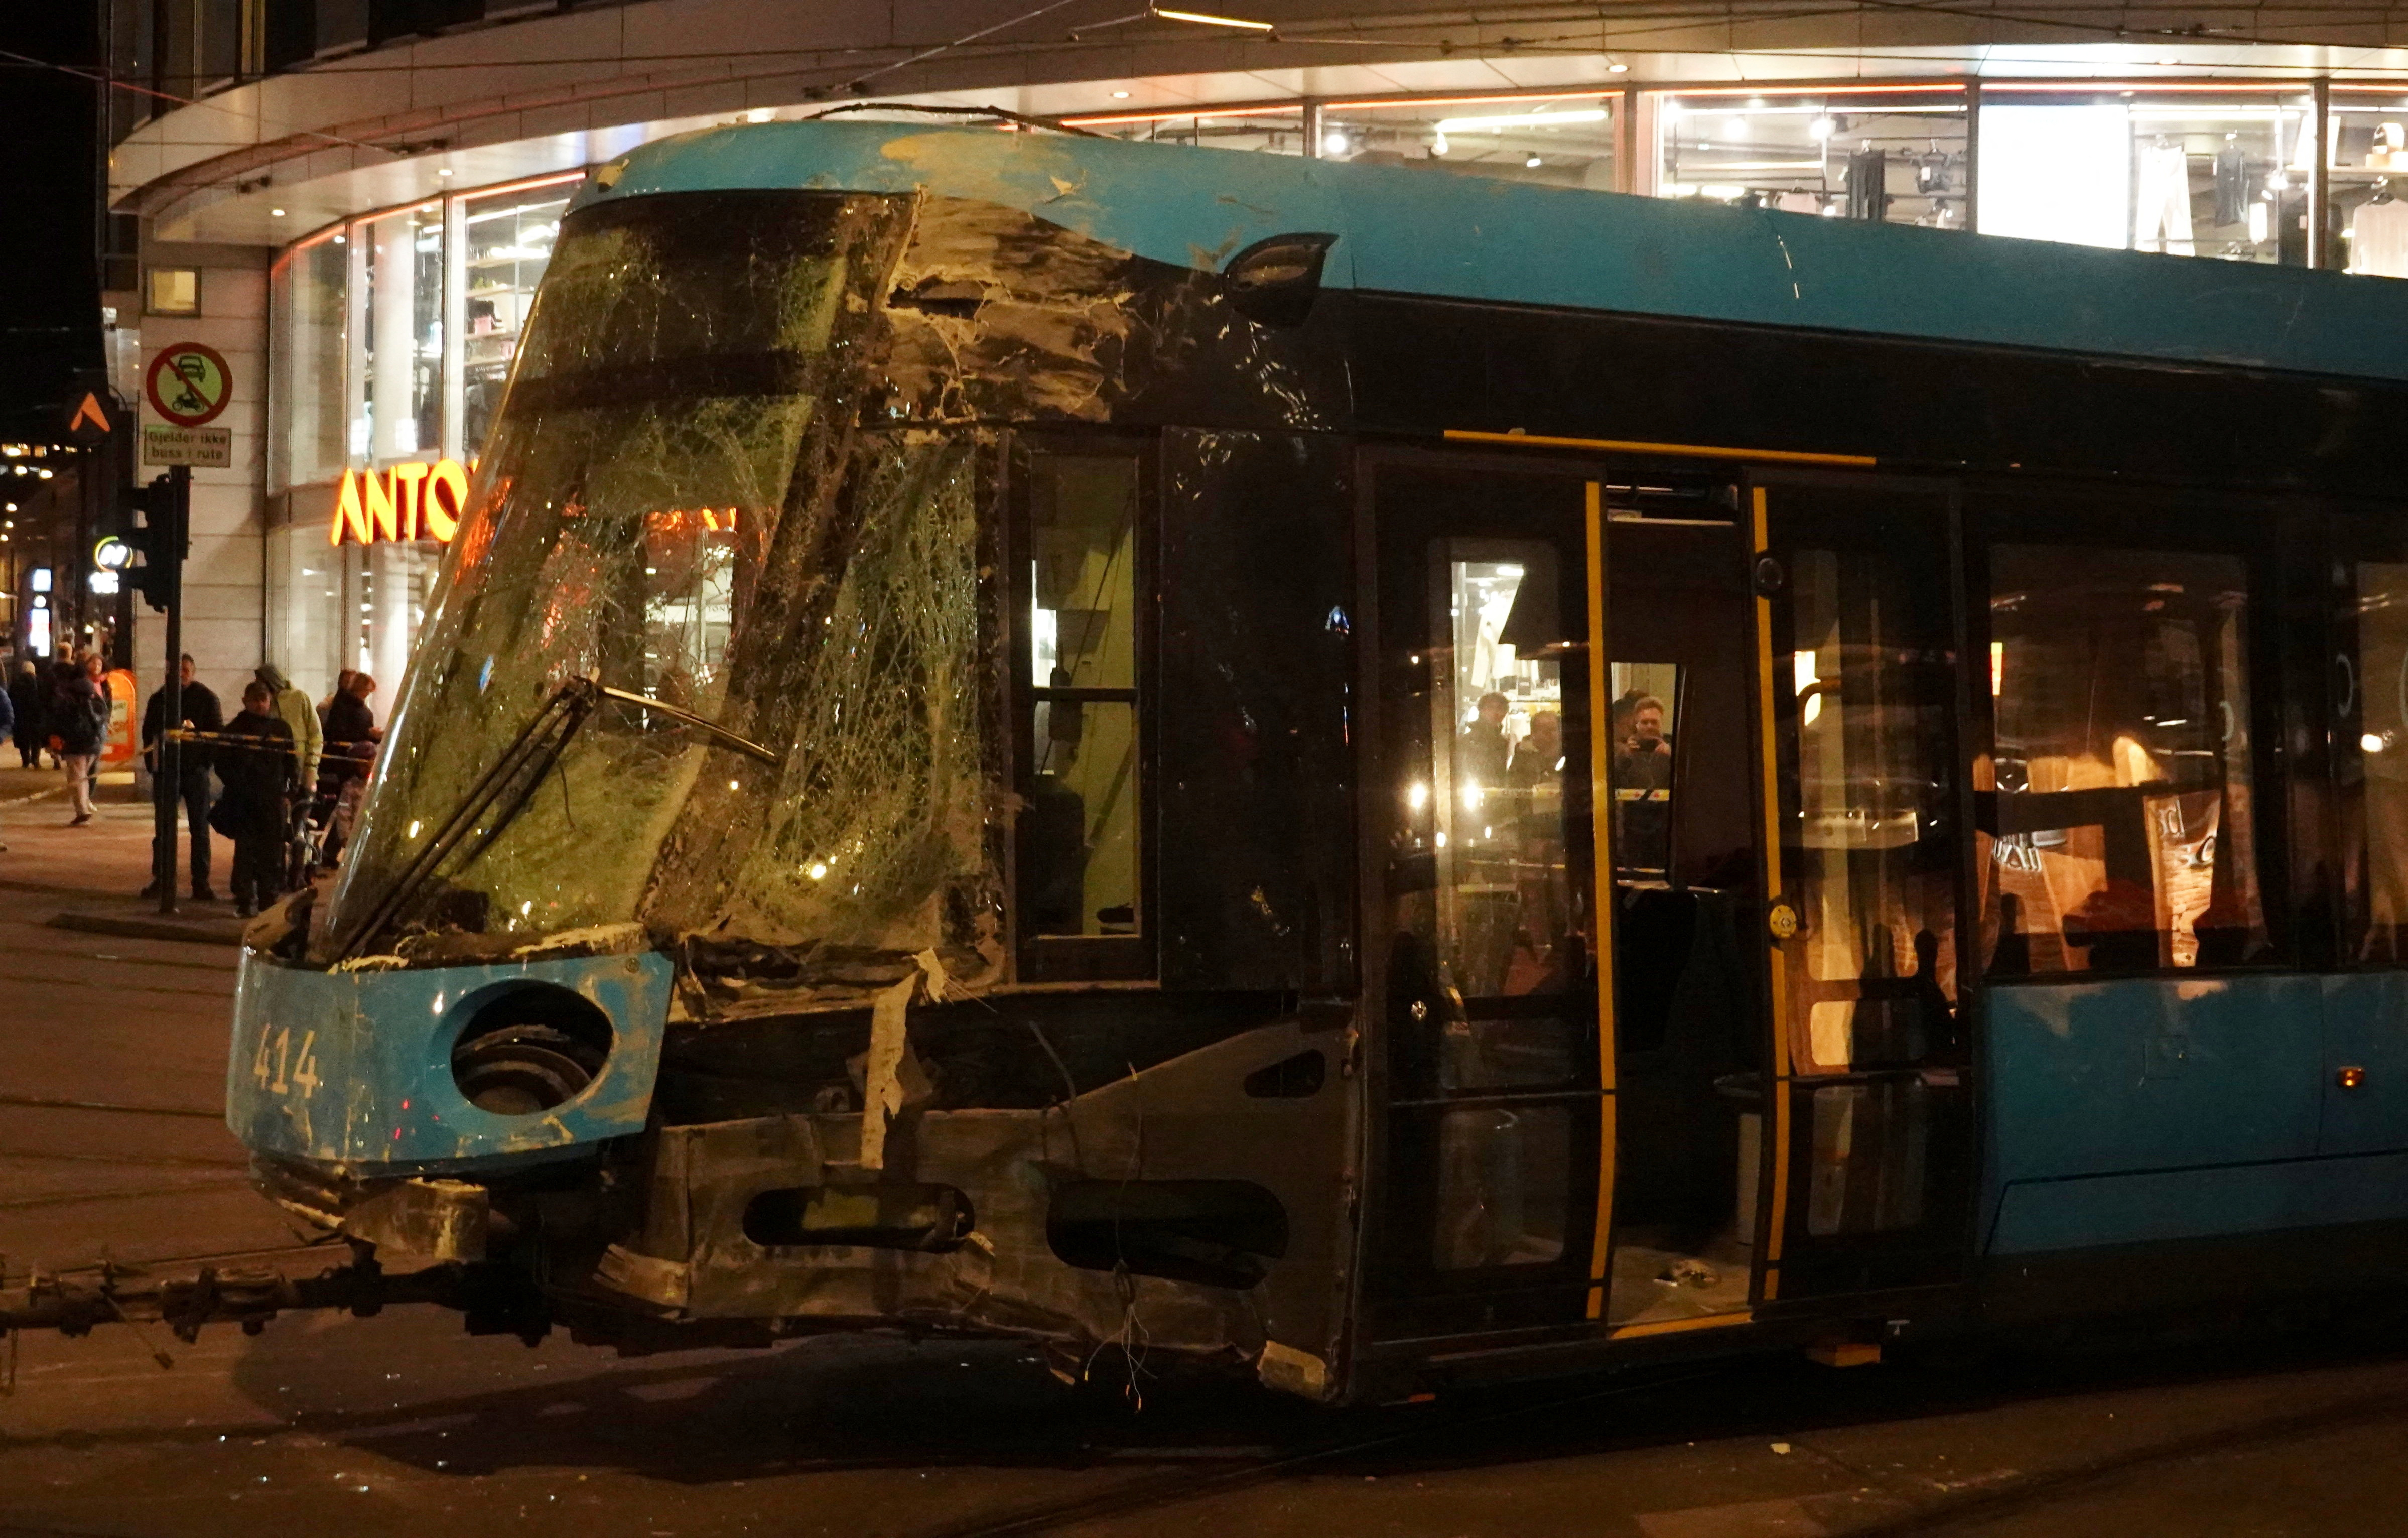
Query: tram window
[[1080, 833], [1870, 1172], [2123, 836], [1646, 696], [1869, 852], [1484, 812], [1503, 1178], [2372, 721]]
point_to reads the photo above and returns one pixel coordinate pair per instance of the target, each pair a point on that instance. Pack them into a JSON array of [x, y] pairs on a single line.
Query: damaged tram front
[[866, 838]]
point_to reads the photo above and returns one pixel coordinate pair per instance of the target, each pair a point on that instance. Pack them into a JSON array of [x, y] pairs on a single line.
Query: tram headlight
[[530, 1048]]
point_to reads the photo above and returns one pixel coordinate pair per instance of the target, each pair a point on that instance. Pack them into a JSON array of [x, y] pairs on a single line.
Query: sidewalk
[[89, 878]]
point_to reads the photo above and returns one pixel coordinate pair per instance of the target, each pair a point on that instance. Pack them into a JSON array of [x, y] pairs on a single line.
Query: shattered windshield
[[677, 503]]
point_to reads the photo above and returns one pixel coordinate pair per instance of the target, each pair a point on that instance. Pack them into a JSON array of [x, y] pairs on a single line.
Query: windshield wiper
[[515, 775]]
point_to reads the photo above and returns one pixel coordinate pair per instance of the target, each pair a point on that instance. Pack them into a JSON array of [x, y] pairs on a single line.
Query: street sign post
[[211, 448]]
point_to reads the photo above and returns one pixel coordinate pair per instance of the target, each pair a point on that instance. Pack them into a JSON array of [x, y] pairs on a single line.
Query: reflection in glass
[[1489, 813], [2124, 831], [1866, 856], [2371, 733], [1503, 1178], [1870, 1169], [1080, 833]]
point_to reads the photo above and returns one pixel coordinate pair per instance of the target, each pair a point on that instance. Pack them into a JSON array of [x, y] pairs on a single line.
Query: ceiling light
[[1205, 18], [1617, 70], [443, 170], [1532, 163], [275, 213], [1520, 120], [1333, 143], [1120, 95], [1821, 128]]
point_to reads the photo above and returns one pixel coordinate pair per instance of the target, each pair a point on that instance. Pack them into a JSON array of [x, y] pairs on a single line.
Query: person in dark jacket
[[77, 716], [352, 739], [261, 775], [198, 711], [25, 700]]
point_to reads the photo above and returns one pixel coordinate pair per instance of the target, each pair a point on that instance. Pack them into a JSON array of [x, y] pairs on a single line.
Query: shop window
[[1895, 159], [510, 240], [1564, 141], [308, 312], [173, 291], [1081, 849], [2368, 171], [2371, 721], [2124, 836], [402, 371], [2181, 175]]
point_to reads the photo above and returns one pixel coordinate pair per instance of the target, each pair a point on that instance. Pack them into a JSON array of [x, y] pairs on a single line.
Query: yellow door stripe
[[1777, 1088], [1678, 450], [1600, 763], [1676, 1326]]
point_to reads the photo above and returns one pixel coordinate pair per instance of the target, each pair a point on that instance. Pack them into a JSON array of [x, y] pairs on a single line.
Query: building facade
[[353, 200]]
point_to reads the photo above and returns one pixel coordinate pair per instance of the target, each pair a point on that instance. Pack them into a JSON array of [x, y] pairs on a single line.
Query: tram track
[[1148, 1496]]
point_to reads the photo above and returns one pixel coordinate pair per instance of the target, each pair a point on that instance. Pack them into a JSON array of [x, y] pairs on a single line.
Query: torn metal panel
[[700, 1252], [354, 1068]]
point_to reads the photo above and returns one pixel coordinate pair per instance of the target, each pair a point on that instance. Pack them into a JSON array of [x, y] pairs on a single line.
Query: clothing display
[[1868, 184], [2231, 185], [2378, 241], [2161, 213]]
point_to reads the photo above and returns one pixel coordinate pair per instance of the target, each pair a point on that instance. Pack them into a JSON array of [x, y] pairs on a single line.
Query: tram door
[[1480, 845], [1869, 1108]]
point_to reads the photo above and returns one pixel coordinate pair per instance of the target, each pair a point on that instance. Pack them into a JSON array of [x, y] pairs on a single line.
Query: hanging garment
[[2231, 185], [1931, 173], [1868, 184], [2378, 241], [2161, 216], [1799, 203]]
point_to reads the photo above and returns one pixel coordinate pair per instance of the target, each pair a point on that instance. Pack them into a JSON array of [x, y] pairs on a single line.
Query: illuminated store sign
[[412, 501]]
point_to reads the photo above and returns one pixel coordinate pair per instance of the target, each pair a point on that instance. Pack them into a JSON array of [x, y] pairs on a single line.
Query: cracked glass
[[676, 503]]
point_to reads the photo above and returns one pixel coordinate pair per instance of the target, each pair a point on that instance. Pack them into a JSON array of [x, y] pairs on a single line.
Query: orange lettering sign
[[410, 501]]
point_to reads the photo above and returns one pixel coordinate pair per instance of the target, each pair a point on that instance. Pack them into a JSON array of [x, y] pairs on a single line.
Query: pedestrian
[[8, 727], [350, 748], [196, 711], [258, 766], [78, 718], [25, 700], [294, 708]]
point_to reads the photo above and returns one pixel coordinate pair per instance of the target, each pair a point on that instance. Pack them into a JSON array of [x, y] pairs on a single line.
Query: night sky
[[50, 290]]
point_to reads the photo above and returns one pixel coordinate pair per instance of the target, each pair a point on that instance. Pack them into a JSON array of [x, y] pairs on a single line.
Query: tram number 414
[[279, 1070]]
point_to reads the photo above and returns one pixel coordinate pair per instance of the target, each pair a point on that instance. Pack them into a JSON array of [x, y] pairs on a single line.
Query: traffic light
[[148, 553]]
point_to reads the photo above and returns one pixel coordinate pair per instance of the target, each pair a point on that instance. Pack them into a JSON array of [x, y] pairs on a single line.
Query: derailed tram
[[1379, 777]]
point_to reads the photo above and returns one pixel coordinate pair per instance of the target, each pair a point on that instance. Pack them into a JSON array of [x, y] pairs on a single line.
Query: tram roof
[[1403, 230]]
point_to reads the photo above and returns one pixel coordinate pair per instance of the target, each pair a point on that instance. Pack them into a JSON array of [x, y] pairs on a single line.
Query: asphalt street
[[111, 1073]]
